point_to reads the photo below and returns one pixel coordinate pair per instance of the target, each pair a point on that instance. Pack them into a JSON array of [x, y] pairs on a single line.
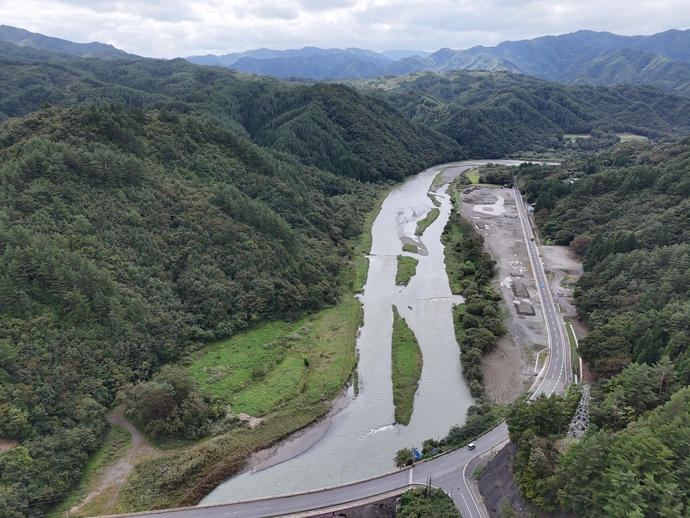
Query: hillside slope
[[496, 114], [128, 239]]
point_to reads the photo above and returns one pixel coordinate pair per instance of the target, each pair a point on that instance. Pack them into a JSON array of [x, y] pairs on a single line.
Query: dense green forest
[[150, 207], [497, 114], [128, 239], [327, 126], [625, 211]]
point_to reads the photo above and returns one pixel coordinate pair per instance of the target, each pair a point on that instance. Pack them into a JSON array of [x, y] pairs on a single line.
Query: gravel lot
[[509, 369]]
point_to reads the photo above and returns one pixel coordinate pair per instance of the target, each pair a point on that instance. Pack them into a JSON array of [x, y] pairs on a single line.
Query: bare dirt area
[[300, 441], [7, 445], [509, 370], [104, 496]]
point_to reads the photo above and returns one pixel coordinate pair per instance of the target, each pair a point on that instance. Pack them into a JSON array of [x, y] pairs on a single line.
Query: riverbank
[[362, 439]]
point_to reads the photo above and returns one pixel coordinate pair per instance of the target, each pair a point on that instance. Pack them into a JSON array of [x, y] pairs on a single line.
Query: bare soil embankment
[[508, 369]]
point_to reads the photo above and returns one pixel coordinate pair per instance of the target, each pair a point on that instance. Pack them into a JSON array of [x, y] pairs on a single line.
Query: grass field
[[472, 176], [434, 200], [573, 347], [409, 247], [407, 267], [627, 137], [423, 224], [407, 368]]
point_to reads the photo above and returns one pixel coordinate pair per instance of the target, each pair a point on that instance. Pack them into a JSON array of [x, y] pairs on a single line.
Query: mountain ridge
[[24, 38]]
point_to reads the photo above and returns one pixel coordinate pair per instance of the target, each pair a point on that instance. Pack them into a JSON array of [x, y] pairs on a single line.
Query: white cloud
[[179, 28]]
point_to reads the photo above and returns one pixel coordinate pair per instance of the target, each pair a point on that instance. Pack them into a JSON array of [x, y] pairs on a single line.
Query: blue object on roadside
[[417, 455]]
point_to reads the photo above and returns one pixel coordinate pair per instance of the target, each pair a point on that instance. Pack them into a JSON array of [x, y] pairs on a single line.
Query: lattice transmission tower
[[580, 422]]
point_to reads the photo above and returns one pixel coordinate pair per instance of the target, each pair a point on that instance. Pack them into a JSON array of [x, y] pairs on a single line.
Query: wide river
[[362, 440]]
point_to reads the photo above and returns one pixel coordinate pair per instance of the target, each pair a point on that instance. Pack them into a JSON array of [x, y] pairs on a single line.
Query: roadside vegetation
[[423, 503], [407, 267], [477, 321], [480, 419], [407, 368]]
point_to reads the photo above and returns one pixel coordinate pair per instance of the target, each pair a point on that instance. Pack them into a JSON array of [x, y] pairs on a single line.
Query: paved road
[[447, 472], [556, 288], [559, 370]]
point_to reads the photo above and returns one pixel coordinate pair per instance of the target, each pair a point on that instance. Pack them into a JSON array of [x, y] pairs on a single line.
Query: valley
[[217, 261]]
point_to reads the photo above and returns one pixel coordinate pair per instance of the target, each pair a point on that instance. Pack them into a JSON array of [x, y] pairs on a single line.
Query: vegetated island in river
[[407, 368], [407, 267]]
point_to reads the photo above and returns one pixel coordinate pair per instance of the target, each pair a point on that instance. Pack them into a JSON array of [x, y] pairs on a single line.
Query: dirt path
[[114, 476]]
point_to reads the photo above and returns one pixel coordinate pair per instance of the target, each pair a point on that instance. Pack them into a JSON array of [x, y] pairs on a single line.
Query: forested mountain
[[496, 114], [129, 238], [628, 214], [149, 207], [24, 38], [626, 211], [329, 126], [308, 62], [582, 57]]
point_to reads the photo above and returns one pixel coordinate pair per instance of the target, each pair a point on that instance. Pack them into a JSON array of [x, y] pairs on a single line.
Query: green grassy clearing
[[407, 368], [573, 136], [627, 137], [472, 176], [116, 442], [409, 247], [407, 267], [279, 365], [423, 224]]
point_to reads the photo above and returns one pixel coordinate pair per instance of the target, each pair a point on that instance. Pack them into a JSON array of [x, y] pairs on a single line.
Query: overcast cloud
[[173, 28]]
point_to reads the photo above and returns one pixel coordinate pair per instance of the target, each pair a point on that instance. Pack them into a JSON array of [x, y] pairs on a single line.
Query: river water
[[362, 439]]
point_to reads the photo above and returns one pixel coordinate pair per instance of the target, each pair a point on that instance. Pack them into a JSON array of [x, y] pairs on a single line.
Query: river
[[362, 440]]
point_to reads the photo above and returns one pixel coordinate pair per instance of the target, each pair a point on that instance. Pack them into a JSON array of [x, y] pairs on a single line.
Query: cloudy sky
[[170, 28]]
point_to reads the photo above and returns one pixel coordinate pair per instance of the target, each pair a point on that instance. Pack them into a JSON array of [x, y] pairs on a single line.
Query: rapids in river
[[362, 439]]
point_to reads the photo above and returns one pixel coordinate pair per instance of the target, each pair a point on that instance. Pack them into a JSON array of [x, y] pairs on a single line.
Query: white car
[[471, 446]]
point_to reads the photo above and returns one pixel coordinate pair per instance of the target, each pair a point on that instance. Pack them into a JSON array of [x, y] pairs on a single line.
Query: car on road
[[471, 446]]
